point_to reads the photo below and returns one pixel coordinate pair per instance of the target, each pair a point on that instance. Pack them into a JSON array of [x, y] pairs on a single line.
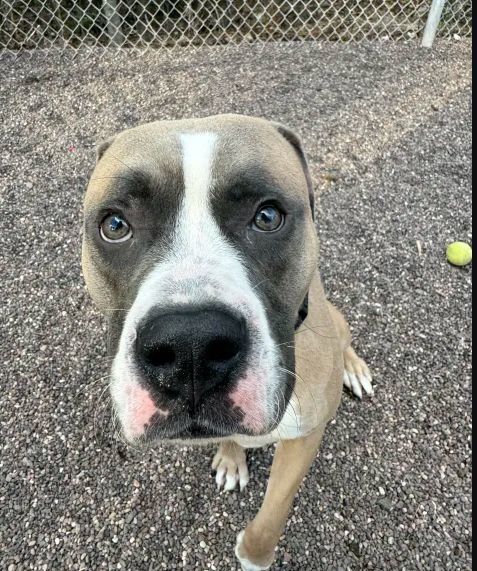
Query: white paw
[[357, 377], [230, 464], [245, 563]]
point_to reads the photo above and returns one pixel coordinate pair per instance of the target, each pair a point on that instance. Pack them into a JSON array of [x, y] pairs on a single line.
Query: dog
[[201, 250]]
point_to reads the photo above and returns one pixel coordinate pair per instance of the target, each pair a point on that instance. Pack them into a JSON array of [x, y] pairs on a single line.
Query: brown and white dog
[[200, 248]]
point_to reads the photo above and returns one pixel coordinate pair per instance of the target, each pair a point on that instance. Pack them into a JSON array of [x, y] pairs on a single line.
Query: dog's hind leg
[[230, 465], [357, 377]]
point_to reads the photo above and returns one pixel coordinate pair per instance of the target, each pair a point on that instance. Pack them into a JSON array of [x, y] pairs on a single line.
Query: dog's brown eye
[[115, 229], [268, 219]]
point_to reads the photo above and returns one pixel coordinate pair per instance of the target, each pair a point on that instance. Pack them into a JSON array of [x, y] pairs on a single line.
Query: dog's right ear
[[295, 142], [103, 147]]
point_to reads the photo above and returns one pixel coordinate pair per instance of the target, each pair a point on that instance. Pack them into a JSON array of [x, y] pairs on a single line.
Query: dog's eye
[[268, 219], [115, 229]]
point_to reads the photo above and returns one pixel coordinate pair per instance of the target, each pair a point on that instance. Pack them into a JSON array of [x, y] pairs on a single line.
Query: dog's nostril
[[159, 356], [221, 350]]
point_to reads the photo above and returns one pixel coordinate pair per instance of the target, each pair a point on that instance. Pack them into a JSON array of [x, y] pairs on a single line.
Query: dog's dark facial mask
[[199, 246]]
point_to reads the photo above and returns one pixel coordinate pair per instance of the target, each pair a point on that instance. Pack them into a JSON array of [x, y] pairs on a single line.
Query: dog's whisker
[[315, 329], [290, 403], [119, 434], [129, 179], [307, 387], [135, 172], [90, 385], [99, 402], [255, 286], [283, 422]]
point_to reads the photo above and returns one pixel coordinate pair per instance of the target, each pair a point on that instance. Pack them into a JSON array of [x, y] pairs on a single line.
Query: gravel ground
[[388, 130]]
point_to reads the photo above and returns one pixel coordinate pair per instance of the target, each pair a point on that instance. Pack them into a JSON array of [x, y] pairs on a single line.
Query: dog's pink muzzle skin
[[141, 410], [249, 397]]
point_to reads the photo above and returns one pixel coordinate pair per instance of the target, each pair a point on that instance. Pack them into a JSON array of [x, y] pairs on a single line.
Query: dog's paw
[[357, 377], [230, 464], [245, 564]]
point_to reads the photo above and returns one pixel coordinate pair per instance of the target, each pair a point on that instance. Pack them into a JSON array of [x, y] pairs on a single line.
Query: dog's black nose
[[189, 353]]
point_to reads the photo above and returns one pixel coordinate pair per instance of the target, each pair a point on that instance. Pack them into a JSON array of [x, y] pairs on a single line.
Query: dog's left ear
[[103, 147], [295, 142]]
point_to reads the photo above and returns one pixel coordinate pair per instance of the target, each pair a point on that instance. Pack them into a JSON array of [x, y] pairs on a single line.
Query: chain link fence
[[65, 24]]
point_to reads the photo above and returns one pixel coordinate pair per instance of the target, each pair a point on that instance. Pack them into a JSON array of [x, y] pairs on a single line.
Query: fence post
[[432, 22], [113, 22]]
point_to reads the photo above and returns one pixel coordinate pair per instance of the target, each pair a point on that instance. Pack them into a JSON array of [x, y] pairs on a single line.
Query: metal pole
[[432, 22]]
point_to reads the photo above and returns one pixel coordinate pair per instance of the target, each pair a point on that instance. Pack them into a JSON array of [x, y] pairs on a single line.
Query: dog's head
[[199, 246]]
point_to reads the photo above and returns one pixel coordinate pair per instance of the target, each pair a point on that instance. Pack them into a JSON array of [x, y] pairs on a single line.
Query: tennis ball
[[459, 254]]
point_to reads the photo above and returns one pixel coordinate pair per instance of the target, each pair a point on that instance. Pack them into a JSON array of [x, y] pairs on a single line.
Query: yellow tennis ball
[[459, 254]]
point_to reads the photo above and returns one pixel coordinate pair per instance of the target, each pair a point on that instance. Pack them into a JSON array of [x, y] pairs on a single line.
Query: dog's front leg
[[256, 545]]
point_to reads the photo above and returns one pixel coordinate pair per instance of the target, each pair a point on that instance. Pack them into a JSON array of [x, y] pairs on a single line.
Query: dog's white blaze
[[197, 233], [197, 158], [202, 267]]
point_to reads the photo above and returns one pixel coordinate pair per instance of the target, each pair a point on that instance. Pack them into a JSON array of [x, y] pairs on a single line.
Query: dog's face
[[199, 246]]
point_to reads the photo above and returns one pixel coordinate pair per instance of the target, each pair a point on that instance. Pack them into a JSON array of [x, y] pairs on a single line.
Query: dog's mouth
[[149, 416], [196, 431], [197, 427]]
